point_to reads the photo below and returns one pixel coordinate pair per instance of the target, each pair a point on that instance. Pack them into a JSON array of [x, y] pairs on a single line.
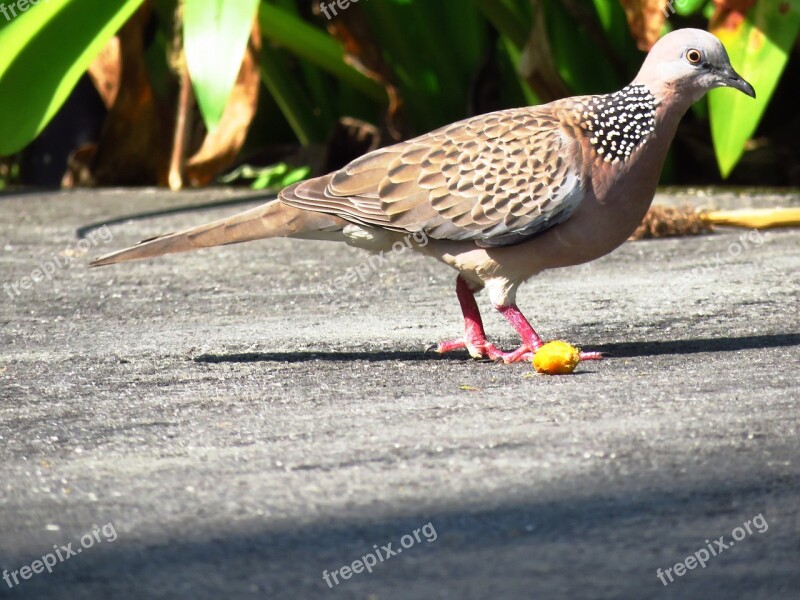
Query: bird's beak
[[730, 78]]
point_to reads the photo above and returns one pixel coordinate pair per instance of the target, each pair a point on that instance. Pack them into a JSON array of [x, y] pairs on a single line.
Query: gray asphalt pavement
[[218, 425]]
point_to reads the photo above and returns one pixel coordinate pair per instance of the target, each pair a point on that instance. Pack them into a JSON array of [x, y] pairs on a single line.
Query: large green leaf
[[215, 34], [428, 72], [583, 67], [297, 108], [310, 43], [759, 47], [509, 19], [45, 50]]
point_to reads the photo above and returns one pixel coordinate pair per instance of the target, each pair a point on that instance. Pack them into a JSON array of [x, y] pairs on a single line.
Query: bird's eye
[[694, 56]]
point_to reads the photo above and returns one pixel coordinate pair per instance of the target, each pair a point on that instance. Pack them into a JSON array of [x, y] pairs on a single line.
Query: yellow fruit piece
[[556, 358]]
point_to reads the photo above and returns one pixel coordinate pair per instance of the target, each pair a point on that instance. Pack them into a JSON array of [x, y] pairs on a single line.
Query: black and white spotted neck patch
[[617, 123]]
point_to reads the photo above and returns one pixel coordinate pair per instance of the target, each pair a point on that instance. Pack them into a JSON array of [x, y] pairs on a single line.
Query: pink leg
[[474, 339], [531, 341]]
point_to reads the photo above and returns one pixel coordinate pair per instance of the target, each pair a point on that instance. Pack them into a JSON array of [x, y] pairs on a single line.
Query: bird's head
[[686, 64]]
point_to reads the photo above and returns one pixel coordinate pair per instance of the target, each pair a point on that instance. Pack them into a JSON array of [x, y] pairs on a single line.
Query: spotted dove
[[499, 197]]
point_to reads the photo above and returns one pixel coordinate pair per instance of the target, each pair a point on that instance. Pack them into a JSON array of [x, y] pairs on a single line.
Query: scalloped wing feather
[[497, 179]]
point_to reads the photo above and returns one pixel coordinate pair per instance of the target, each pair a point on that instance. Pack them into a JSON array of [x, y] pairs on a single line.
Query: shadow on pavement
[[517, 549], [722, 344], [332, 356], [84, 230], [621, 350]]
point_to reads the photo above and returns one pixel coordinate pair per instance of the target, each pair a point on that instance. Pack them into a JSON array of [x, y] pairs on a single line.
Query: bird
[[499, 197]]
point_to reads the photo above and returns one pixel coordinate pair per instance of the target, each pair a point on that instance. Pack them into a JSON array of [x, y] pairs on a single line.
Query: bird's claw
[[487, 352], [447, 346], [484, 351]]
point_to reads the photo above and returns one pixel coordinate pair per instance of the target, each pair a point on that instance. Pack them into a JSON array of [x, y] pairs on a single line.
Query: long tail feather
[[274, 219]]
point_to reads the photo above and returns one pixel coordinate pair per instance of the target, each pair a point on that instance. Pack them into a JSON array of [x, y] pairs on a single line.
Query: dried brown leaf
[[729, 14], [363, 52], [132, 149], [221, 147], [646, 20], [79, 167], [106, 71], [350, 139], [537, 64], [669, 221]]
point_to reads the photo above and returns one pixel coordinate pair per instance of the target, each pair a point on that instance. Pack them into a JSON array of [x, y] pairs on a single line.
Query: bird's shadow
[[617, 350], [332, 356], [250, 198]]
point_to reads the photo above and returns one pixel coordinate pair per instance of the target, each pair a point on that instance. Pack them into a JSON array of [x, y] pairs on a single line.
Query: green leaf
[[508, 20], [623, 50], [411, 69], [45, 51], [510, 52], [582, 66], [294, 104], [277, 176], [759, 48], [431, 81], [308, 42], [689, 7], [215, 35]]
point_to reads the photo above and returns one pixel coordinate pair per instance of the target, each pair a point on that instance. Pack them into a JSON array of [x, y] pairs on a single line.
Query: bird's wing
[[497, 179]]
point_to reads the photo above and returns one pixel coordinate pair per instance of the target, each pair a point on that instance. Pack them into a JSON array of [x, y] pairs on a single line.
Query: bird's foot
[[474, 340], [522, 354], [485, 350], [525, 353], [481, 349], [478, 349], [447, 346]]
